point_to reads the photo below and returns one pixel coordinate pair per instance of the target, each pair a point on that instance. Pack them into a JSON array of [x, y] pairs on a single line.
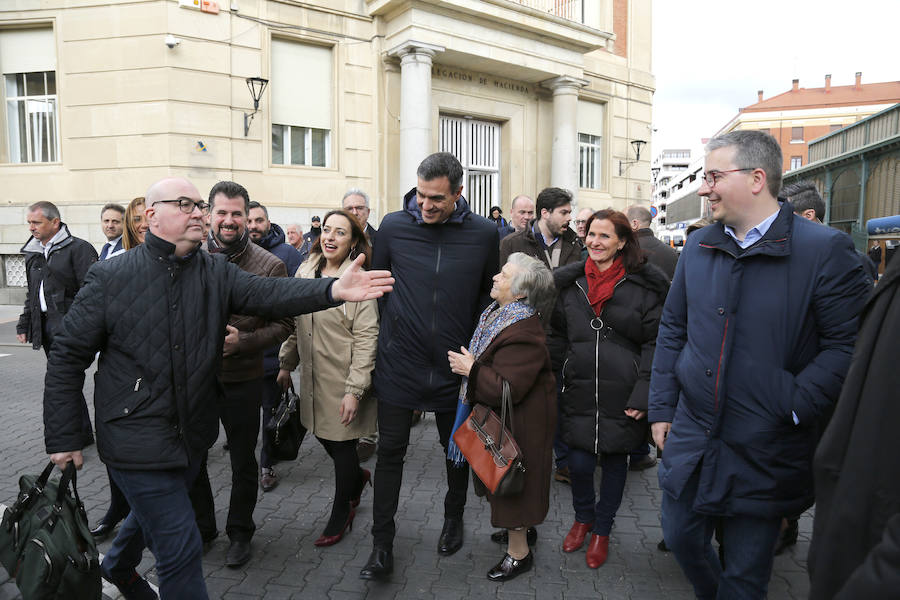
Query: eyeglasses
[[713, 176], [187, 205], [580, 221]]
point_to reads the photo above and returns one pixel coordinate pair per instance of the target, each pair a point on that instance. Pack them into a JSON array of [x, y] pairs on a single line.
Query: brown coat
[[519, 355], [256, 333]]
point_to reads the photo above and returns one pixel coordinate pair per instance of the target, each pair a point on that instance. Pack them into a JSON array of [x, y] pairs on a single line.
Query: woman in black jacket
[[605, 323]]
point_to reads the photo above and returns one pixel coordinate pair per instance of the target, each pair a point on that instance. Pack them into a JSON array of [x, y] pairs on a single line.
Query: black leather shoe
[[133, 587], [238, 554], [502, 536], [102, 530], [451, 537], [787, 538], [510, 568], [379, 565], [641, 464]]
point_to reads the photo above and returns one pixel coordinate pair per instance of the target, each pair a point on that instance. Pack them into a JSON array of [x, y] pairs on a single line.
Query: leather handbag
[[284, 430], [491, 450], [45, 541]]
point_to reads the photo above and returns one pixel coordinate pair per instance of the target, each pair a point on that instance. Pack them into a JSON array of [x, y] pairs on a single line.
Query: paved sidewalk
[[285, 563]]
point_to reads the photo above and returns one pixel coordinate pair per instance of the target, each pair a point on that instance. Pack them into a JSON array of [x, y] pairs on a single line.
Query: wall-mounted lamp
[[637, 156], [256, 85], [654, 172]]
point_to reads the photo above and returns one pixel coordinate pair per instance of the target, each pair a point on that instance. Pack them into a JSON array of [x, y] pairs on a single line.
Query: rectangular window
[[590, 152], [765, 130], [28, 66], [590, 145], [476, 144], [796, 134], [302, 92], [834, 127], [796, 162], [300, 146]]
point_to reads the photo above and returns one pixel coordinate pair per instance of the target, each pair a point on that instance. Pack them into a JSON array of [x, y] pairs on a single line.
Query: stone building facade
[[102, 99]]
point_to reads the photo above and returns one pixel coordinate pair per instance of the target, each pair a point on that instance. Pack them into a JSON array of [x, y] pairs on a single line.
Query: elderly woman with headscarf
[[509, 346]]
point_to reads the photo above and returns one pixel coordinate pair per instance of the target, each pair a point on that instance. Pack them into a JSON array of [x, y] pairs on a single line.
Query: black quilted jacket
[[159, 324]]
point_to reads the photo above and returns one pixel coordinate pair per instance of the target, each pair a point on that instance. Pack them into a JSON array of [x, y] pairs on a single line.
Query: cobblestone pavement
[[285, 563]]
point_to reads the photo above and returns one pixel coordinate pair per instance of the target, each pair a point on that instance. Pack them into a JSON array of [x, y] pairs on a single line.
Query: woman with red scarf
[[604, 325]]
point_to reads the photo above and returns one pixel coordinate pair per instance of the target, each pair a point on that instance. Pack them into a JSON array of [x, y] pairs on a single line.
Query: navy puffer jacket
[[748, 338], [443, 281]]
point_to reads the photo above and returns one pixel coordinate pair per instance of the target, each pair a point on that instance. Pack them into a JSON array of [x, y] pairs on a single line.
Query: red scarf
[[602, 283]]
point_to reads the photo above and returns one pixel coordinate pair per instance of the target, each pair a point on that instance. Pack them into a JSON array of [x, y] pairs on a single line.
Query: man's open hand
[[660, 431], [356, 285]]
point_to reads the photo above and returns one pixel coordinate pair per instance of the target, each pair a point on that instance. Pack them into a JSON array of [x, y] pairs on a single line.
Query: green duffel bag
[[45, 541]]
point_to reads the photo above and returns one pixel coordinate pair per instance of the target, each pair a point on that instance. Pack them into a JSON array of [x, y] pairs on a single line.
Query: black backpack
[[45, 541]]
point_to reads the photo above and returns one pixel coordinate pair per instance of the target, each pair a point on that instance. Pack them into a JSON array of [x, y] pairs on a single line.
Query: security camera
[[172, 41]]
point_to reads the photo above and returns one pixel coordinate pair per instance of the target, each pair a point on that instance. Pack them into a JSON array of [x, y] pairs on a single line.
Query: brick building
[[801, 115]]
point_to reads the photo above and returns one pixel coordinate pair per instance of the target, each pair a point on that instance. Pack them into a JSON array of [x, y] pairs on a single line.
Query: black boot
[[379, 565], [451, 536]]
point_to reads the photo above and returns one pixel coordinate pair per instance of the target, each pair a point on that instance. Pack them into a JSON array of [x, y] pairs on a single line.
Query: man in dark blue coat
[[443, 257], [754, 343]]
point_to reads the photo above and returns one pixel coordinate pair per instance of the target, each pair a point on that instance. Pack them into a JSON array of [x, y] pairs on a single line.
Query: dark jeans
[[748, 541], [239, 412], [271, 396], [612, 484], [560, 448], [393, 438], [161, 519]]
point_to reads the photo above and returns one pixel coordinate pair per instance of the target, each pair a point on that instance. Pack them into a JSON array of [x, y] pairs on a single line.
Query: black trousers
[[239, 412], [394, 424], [271, 396], [118, 504]]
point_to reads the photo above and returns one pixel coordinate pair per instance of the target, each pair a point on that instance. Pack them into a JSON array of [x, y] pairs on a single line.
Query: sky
[[711, 57]]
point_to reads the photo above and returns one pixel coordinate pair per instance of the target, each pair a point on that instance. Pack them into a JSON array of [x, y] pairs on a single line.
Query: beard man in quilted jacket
[[158, 316]]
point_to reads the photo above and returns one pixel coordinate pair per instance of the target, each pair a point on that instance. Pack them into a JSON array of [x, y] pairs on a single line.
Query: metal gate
[[476, 144]]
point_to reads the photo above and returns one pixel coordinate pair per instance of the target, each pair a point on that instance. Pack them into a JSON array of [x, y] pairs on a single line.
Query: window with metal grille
[[14, 265], [796, 134], [590, 152], [476, 144]]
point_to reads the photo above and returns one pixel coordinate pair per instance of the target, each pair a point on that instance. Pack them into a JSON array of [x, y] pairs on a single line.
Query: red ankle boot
[[598, 551], [575, 538]]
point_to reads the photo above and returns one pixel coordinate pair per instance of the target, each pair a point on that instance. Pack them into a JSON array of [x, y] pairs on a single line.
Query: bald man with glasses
[[158, 314]]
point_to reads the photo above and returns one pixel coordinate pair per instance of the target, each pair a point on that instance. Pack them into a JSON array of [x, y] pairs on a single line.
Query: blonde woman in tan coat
[[335, 350]]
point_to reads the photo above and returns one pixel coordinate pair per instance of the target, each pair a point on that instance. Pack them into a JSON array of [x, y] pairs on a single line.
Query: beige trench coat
[[336, 354]]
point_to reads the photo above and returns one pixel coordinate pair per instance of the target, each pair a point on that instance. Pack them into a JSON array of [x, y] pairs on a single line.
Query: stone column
[[564, 150], [415, 108]]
